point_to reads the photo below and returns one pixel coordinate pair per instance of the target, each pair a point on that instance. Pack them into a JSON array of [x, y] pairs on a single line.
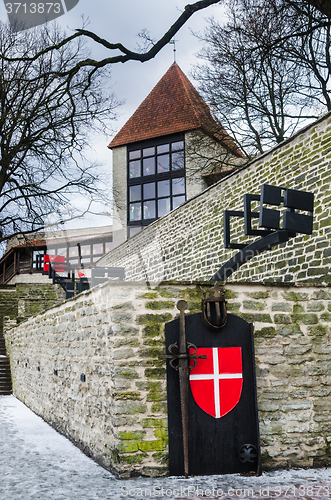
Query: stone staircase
[[5, 376]]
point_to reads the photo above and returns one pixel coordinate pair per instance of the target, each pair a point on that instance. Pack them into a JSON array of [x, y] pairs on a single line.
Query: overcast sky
[[121, 21]]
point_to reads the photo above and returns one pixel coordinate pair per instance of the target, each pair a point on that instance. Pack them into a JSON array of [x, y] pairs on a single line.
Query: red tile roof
[[173, 106]]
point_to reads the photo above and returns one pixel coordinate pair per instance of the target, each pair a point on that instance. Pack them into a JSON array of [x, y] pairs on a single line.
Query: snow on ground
[[36, 462]]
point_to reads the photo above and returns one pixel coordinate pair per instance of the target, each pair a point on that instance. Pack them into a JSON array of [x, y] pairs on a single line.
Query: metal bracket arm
[[250, 251]]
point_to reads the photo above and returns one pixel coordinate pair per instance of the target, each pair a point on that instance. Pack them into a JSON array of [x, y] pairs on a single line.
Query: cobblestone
[[38, 463]]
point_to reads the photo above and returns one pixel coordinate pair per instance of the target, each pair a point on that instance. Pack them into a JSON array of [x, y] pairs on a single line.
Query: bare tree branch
[[125, 53]]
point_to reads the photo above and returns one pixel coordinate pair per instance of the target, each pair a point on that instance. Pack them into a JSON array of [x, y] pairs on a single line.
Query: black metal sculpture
[[269, 219]]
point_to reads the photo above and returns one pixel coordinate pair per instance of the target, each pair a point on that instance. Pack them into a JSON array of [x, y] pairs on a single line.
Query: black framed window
[[156, 180]]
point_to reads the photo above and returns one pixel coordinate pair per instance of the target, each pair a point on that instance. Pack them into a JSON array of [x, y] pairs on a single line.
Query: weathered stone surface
[[120, 412]]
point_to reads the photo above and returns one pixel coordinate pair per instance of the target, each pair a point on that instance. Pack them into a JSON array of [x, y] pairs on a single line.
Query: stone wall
[[8, 303], [113, 334], [187, 244], [22, 300]]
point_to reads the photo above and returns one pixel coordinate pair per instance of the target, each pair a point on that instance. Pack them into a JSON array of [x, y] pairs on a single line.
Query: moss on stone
[[129, 408], [152, 330], [159, 406], [160, 304], [150, 352], [132, 435], [171, 290], [150, 295], [155, 373], [153, 445], [298, 309], [192, 293], [122, 396], [256, 317], [149, 386], [144, 319], [326, 316], [155, 342], [161, 434], [315, 306], [305, 319], [284, 319], [259, 295], [267, 331], [230, 294], [194, 306], [161, 457], [155, 423], [295, 296], [128, 446], [254, 305], [319, 330], [126, 373], [137, 458], [233, 306]]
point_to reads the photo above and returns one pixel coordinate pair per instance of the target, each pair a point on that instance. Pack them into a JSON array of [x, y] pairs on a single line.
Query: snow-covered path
[[38, 463]]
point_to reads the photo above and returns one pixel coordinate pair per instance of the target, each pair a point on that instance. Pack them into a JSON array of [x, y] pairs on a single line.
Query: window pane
[[73, 261], [108, 246], [134, 230], [163, 164], [149, 166], [148, 151], [134, 154], [163, 207], [163, 188], [134, 169], [149, 209], [135, 193], [50, 251], [164, 148], [73, 252], [135, 211], [85, 250], [177, 200], [175, 146], [177, 160], [178, 185], [149, 190], [97, 248], [61, 251]]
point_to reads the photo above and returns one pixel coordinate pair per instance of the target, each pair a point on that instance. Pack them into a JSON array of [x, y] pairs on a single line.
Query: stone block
[[290, 405]]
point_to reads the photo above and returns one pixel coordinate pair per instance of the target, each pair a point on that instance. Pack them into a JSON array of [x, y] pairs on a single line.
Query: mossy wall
[[117, 412], [8, 303], [23, 300]]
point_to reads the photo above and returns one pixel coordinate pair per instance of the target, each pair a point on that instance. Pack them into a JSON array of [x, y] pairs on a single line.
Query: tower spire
[[173, 42]]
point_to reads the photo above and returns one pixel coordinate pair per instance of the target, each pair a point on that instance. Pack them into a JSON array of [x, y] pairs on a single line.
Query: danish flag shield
[[216, 382]]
